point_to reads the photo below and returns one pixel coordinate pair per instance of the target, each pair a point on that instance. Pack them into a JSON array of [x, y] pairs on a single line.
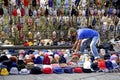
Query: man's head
[[72, 31]]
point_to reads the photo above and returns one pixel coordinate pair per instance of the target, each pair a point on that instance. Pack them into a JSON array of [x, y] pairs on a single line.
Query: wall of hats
[[23, 18]]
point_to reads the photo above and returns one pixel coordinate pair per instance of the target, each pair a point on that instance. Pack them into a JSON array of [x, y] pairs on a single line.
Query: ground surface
[[74, 76]]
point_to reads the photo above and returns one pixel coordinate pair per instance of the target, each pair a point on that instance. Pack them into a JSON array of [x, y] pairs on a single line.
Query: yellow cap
[[4, 72]]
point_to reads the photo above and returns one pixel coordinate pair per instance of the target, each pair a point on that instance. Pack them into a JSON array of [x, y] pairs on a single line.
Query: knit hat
[[24, 71], [77, 70], [14, 71], [58, 70]]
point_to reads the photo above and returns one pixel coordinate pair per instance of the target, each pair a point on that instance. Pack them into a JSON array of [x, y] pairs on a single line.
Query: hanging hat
[[4, 72], [14, 71], [58, 70], [24, 71]]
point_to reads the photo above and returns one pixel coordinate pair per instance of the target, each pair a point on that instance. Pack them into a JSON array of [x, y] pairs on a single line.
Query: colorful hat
[[13, 58], [47, 70], [35, 70], [101, 64], [4, 72], [14, 71], [55, 65], [24, 71], [109, 65], [30, 65], [58, 70], [78, 70], [94, 66], [68, 69], [38, 60]]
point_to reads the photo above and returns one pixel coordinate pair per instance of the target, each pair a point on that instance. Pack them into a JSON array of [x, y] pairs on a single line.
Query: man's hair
[[71, 30]]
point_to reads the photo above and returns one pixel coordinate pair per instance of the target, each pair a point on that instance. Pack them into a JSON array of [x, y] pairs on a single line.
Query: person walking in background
[[84, 37]]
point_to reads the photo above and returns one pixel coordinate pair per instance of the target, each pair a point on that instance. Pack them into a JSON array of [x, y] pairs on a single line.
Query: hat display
[[14, 71], [24, 71]]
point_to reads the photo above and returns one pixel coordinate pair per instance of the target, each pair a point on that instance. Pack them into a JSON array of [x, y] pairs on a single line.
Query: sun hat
[[24, 71], [14, 71]]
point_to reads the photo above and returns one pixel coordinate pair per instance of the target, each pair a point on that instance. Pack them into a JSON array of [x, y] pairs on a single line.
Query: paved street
[[74, 76]]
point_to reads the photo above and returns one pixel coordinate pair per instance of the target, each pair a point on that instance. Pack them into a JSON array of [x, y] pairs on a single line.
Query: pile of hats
[[56, 61]]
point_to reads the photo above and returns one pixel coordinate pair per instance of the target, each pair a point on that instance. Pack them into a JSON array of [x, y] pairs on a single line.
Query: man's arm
[[78, 45], [75, 44]]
